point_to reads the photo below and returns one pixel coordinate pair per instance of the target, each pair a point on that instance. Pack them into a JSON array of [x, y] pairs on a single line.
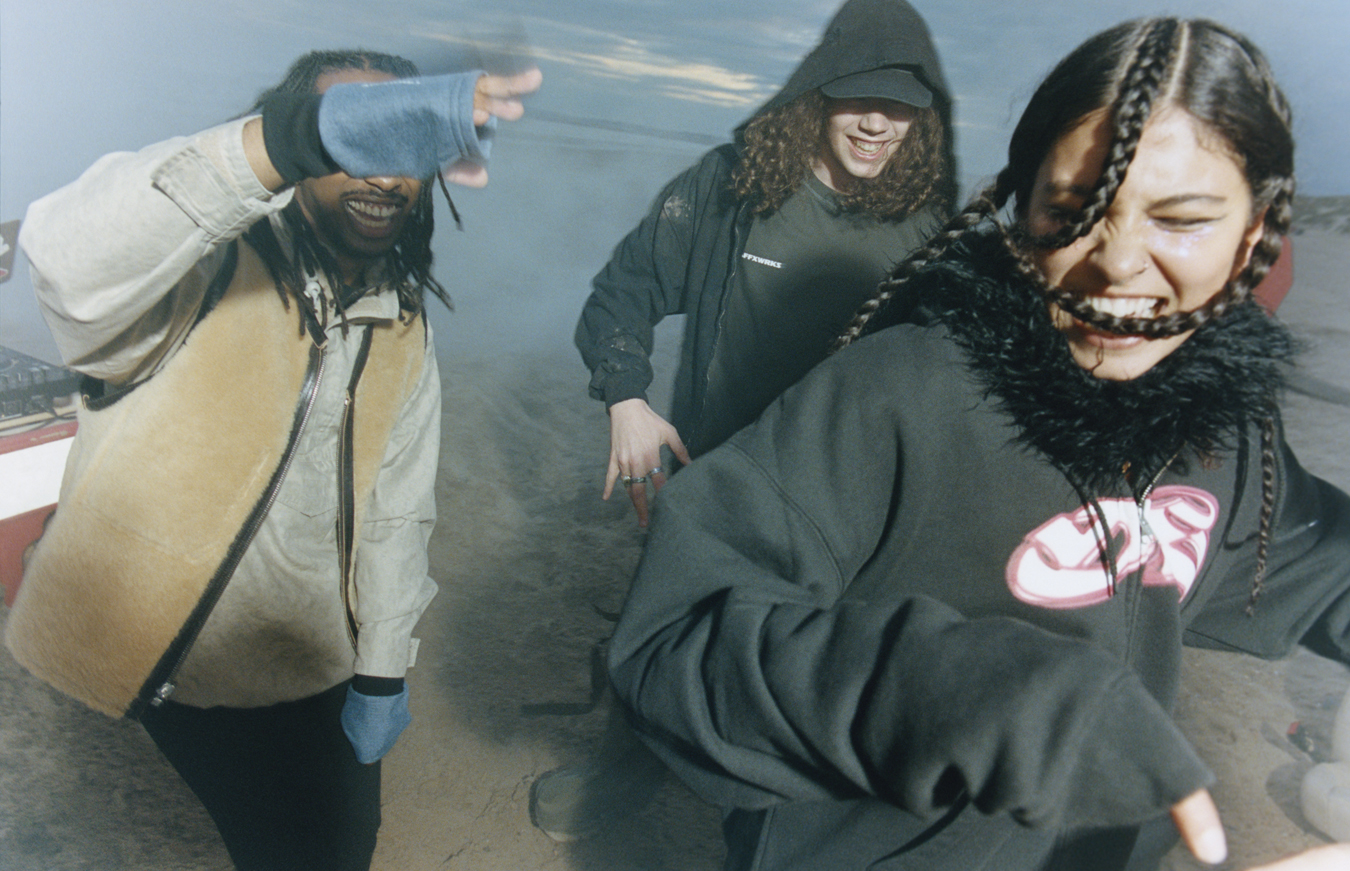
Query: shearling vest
[[164, 487]]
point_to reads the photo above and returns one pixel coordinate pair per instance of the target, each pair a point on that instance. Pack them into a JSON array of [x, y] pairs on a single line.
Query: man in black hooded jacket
[[770, 244]]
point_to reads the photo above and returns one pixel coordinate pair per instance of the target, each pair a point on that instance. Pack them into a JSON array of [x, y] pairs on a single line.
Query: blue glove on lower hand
[[373, 723], [408, 127]]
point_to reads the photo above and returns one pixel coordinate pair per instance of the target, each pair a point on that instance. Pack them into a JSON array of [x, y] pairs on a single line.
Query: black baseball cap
[[886, 83]]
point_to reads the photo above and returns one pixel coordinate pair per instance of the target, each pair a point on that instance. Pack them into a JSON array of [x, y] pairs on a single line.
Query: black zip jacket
[[883, 628], [681, 258]]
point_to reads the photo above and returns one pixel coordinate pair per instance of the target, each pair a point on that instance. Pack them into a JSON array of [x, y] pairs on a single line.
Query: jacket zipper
[[696, 421], [1146, 531], [346, 515], [1146, 535], [159, 686]]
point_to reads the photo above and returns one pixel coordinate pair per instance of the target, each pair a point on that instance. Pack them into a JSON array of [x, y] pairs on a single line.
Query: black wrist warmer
[[367, 685], [291, 135]]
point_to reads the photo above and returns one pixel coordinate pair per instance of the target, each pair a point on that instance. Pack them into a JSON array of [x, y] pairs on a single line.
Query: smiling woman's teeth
[[1124, 307], [867, 147]]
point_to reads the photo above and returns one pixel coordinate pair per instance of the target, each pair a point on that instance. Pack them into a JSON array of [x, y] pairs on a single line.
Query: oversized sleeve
[[1305, 595], [760, 679], [121, 257], [392, 584], [645, 280]]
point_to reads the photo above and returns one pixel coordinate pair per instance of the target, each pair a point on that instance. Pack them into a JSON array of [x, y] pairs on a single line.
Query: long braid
[[1144, 81], [980, 209], [1268, 488], [1279, 193], [1272, 187], [1275, 192]]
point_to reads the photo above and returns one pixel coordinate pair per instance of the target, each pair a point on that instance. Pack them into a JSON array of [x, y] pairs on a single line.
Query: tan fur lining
[[159, 484]]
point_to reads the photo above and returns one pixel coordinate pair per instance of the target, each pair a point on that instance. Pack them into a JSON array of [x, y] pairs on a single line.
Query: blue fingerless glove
[[408, 127], [373, 723]]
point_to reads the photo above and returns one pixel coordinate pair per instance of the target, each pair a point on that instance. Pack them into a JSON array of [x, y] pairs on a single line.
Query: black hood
[[867, 35]]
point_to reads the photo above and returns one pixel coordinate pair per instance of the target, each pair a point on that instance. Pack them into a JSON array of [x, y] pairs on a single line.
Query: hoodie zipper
[[1146, 535], [159, 686], [1141, 501]]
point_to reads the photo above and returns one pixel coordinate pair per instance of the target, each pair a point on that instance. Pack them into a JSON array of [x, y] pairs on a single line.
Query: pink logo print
[[1059, 564]]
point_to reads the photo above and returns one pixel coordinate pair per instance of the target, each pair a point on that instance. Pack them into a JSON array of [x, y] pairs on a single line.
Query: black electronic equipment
[[29, 386]]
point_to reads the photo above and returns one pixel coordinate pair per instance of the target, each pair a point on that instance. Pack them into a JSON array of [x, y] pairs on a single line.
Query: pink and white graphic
[[1059, 564]]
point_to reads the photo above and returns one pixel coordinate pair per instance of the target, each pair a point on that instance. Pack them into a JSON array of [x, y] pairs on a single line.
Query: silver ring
[[654, 472], [629, 481]]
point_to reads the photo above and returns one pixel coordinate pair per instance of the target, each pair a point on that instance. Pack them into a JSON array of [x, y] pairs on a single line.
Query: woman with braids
[[240, 554], [927, 613], [768, 245]]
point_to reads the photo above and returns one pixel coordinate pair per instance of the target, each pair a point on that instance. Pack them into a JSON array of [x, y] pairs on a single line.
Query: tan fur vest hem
[[159, 484]]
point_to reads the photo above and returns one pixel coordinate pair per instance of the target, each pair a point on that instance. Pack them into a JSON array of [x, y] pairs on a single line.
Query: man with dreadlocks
[[927, 612], [240, 554]]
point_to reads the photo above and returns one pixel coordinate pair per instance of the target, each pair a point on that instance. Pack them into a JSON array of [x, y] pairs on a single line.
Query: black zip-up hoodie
[[681, 257], [878, 627]]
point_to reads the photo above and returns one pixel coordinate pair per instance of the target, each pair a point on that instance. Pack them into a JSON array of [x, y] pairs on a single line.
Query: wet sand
[[532, 565]]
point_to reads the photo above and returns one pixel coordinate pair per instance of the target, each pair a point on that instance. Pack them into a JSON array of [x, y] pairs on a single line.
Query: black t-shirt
[[803, 273]]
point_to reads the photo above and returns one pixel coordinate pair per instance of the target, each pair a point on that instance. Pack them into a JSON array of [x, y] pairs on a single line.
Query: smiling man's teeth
[[372, 210], [1124, 306]]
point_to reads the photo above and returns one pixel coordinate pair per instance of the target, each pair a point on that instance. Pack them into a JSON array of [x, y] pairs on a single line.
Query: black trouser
[[281, 783]]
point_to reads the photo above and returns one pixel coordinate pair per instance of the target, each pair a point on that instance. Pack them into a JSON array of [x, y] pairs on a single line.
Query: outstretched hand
[[498, 96], [636, 434], [493, 97]]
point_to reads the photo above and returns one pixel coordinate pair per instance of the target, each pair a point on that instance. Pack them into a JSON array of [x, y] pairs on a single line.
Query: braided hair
[[407, 264], [778, 147], [1132, 72]]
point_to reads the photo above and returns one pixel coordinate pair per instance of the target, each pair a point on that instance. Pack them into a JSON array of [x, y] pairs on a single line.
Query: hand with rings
[[636, 434]]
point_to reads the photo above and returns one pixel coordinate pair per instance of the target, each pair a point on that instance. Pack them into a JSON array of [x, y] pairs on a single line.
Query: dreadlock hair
[[1132, 72], [407, 265], [780, 145]]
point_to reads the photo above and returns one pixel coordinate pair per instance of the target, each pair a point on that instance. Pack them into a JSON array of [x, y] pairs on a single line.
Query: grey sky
[[79, 78]]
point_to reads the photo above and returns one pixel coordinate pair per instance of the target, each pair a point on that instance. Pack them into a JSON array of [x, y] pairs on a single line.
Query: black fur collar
[[1200, 397]]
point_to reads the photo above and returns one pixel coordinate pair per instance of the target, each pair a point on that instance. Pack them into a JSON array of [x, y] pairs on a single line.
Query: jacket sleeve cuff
[[1137, 765], [612, 386], [386, 648], [367, 685]]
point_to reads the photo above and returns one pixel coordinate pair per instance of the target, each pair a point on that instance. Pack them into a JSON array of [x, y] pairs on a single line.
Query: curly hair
[[1133, 71], [407, 263], [779, 147]]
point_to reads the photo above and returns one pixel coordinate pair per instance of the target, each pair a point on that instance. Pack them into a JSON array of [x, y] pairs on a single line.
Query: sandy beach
[[532, 565]]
